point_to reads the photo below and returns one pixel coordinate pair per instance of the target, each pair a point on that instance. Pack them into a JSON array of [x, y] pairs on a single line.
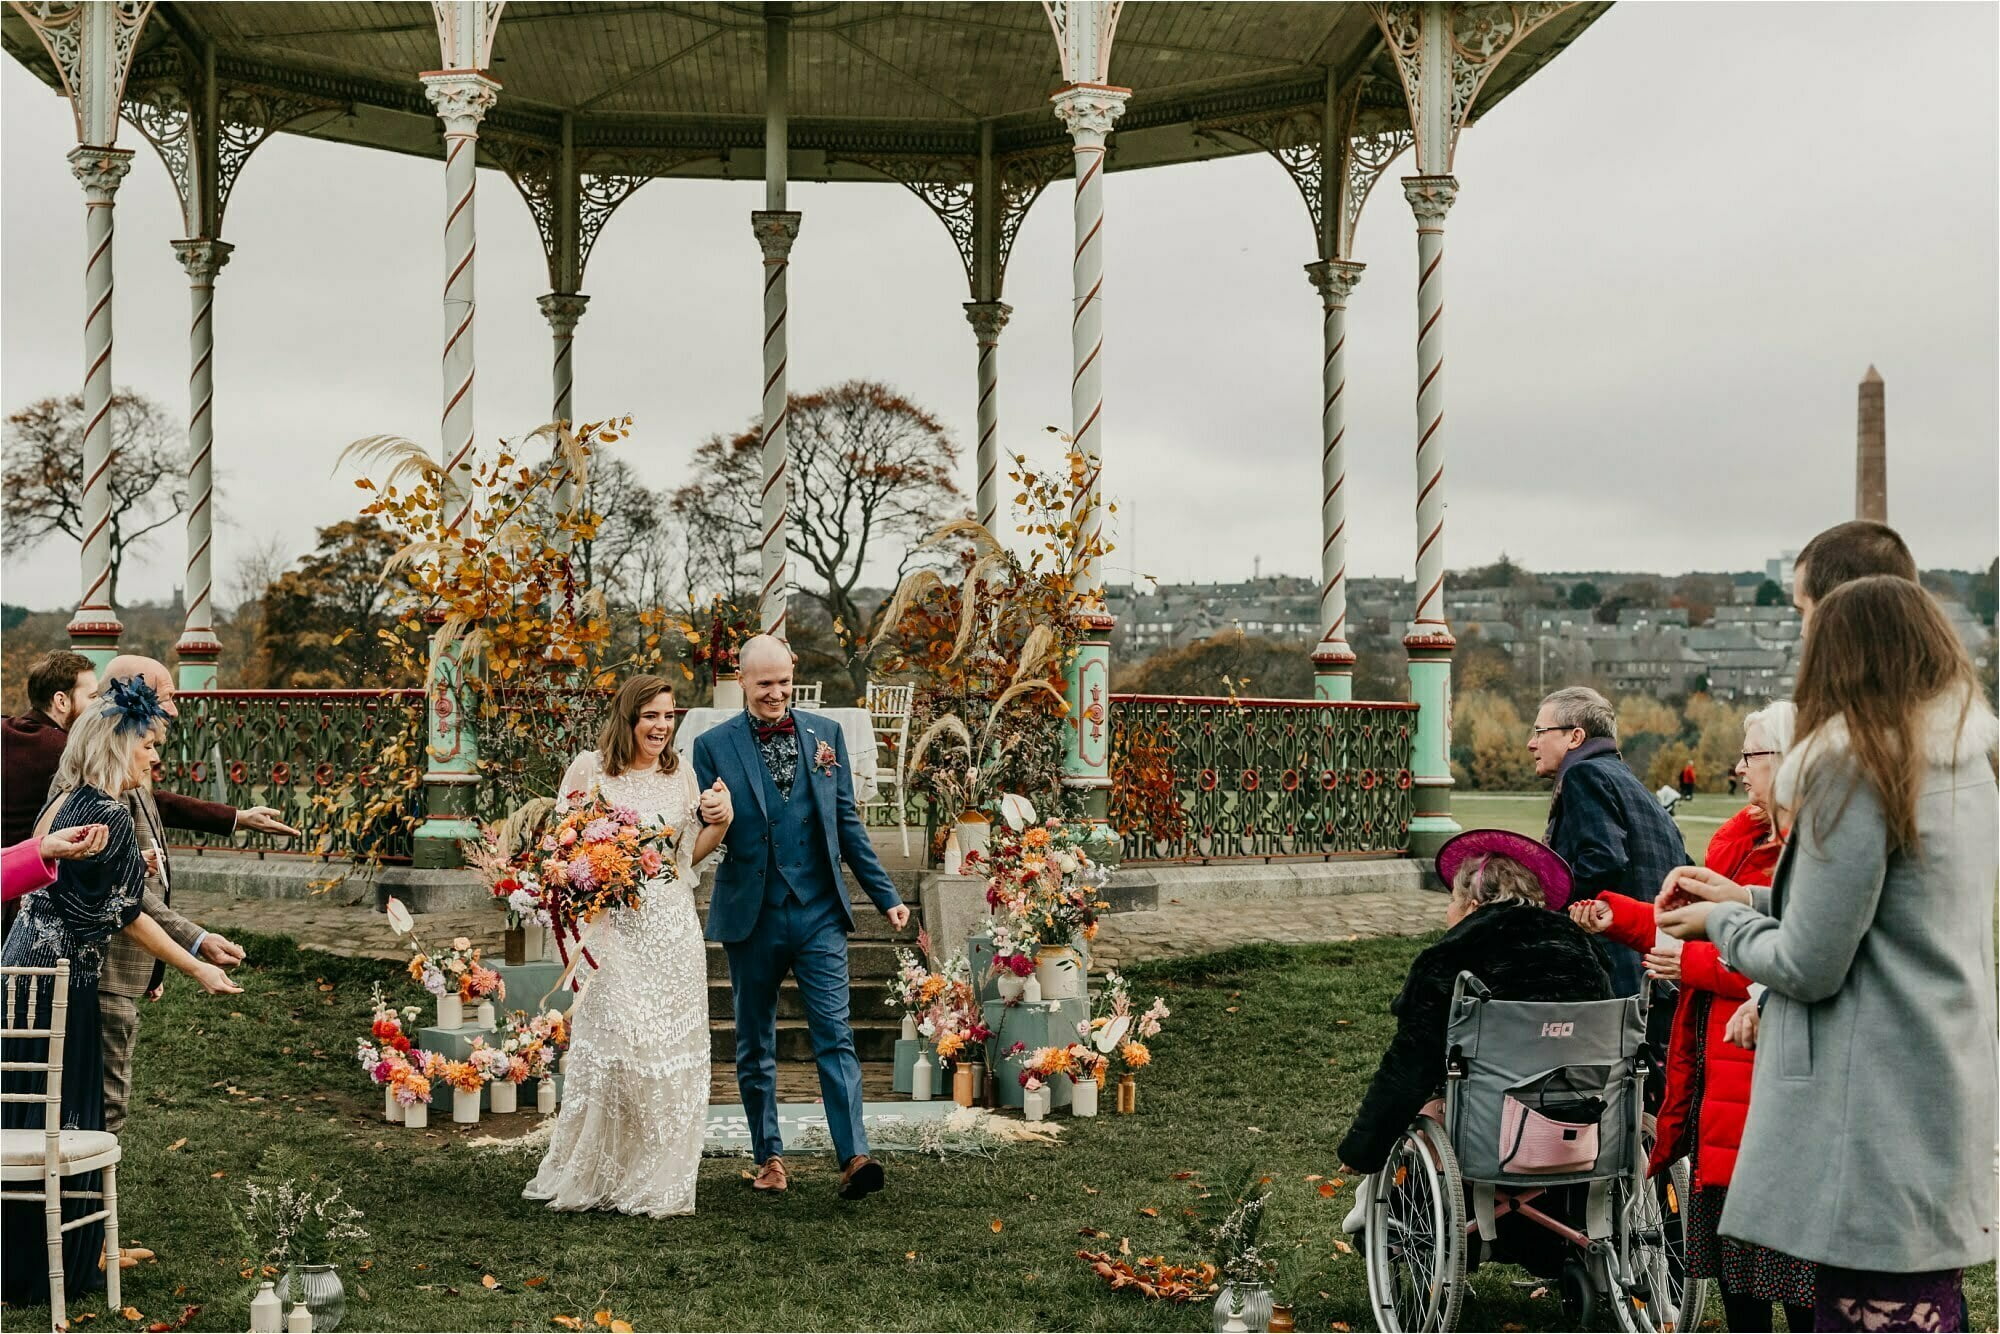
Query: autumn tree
[[1229, 663], [43, 478], [871, 475], [1489, 742], [323, 622]]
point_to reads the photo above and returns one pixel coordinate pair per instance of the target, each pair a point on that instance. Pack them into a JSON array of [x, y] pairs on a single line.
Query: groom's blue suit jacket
[[729, 752]]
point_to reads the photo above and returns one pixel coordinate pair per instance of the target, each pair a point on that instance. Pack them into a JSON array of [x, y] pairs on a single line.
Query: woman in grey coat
[[1869, 1146]]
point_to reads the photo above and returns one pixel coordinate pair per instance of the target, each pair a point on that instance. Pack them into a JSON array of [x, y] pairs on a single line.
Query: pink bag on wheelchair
[[1547, 1125]]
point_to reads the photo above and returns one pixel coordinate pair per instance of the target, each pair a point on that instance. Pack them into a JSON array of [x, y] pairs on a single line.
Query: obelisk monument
[[1871, 456]]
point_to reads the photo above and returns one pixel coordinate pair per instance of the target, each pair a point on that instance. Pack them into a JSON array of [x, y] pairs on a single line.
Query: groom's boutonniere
[[823, 759]]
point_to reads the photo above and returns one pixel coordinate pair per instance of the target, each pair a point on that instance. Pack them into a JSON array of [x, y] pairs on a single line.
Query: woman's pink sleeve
[[22, 870]]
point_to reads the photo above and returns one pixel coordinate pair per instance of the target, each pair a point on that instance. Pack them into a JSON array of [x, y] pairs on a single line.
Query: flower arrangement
[[479, 983], [506, 856], [390, 1027], [1038, 1069], [910, 988], [534, 1042], [464, 1076], [442, 971], [1114, 1031], [1229, 1226], [1013, 949], [597, 858], [409, 1086], [715, 633], [489, 1063], [939, 997], [1043, 878], [1088, 1063], [294, 1223]]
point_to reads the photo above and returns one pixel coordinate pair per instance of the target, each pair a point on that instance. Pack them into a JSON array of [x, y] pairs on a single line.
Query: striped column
[[775, 229], [451, 771], [1429, 640], [462, 99], [1089, 111], [94, 629], [562, 310], [199, 648], [1333, 660], [988, 318]]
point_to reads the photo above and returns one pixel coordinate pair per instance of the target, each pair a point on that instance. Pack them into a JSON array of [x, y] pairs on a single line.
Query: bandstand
[[976, 109]]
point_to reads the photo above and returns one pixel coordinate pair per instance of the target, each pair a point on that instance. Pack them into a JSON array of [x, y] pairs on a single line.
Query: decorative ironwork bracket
[[1474, 41], [604, 181], [949, 187]]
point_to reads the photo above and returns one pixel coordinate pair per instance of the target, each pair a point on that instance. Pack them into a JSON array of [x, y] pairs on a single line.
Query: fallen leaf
[[1326, 1190], [996, 1225], [536, 1281], [1339, 1326], [909, 1255], [567, 1321], [1182, 1176], [131, 1313], [1315, 1177], [489, 1282], [177, 1145], [365, 1266], [1343, 1248], [603, 1319], [621, 1327], [1150, 1212], [326, 986], [1229, 1009], [1512, 1328], [1090, 1190], [217, 1176], [1538, 1294], [1124, 1245]]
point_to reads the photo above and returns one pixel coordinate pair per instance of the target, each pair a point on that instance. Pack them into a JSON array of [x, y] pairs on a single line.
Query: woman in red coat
[[1708, 1077]]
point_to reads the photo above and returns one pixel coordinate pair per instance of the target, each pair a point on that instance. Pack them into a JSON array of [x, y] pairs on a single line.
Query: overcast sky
[[1674, 253]]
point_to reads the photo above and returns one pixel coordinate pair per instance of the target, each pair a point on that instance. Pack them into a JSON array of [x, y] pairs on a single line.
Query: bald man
[[780, 905]]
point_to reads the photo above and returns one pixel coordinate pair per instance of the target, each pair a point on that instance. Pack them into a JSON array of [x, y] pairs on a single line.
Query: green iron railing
[[1226, 779], [321, 758]]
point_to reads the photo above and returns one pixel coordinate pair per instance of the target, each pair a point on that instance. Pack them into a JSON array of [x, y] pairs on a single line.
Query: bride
[[635, 1096]]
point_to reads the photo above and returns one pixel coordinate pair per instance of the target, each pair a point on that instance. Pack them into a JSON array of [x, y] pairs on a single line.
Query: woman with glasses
[[1708, 1077]]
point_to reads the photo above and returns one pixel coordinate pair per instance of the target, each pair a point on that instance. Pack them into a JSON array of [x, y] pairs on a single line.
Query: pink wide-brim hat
[[1543, 862]]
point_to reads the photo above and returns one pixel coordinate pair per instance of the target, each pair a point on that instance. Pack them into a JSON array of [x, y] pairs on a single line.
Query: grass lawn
[[1528, 813], [1262, 1063]]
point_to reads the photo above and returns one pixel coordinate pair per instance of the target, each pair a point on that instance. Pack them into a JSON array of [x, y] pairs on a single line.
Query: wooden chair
[[52, 1153], [889, 715], [806, 694]]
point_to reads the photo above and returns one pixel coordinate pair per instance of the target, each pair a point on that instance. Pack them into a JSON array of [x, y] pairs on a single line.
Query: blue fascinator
[[136, 703]]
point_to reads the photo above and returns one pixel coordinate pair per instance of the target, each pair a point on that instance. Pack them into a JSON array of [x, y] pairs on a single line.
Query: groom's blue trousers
[[809, 941]]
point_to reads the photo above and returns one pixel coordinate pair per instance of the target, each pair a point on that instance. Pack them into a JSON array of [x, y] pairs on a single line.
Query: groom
[[779, 904]]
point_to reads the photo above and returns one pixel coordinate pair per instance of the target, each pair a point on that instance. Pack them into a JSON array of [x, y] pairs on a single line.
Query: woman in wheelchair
[[1708, 1077], [1502, 932]]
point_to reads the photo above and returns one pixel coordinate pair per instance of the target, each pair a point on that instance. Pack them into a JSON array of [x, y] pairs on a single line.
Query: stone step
[[799, 1082], [874, 1040], [868, 961], [865, 998]]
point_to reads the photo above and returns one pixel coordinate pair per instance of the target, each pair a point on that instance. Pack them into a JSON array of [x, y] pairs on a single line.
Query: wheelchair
[[1540, 1161]]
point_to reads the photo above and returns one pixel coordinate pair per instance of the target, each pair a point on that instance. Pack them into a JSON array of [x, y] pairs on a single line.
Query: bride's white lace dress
[[635, 1082]]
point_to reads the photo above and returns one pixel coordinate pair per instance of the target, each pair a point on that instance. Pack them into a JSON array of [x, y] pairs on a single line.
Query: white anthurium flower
[[1017, 810], [1109, 1036], [399, 917]]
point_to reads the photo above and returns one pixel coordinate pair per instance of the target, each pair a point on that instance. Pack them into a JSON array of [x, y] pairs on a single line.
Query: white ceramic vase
[[1059, 971], [545, 1097], [392, 1111], [923, 1078], [1083, 1096], [465, 1106], [1035, 1104], [484, 1015], [1031, 989], [1010, 985], [909, 1028], [503, 1097], [728, 691], [451, 1011], [417, 1115]]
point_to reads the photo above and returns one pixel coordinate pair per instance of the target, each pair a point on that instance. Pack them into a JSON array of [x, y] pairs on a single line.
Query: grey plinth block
[[527, 983], [1043, 1024], [954, 908], [1224, 883]]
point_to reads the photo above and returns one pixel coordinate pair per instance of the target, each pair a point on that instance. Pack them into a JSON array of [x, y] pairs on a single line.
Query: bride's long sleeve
[[582, 772]]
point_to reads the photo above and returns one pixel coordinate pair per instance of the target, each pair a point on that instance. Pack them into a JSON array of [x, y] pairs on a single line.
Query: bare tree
[[870, 471], [43, 480], [632, 551]]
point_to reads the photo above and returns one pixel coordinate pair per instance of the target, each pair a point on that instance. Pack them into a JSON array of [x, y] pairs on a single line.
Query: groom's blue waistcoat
[[798, 857]]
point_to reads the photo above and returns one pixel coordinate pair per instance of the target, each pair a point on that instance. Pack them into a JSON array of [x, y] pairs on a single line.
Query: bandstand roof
[[677, 89]]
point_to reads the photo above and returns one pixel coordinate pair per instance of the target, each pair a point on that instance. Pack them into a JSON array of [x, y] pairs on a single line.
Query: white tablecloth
[[857, 729]]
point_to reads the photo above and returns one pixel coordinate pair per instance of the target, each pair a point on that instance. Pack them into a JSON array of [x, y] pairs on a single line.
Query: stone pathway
[[1198, 928]]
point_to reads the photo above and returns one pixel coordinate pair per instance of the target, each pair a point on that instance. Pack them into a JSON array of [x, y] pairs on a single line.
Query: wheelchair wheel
[[1415, 1236], [1650, 1290]]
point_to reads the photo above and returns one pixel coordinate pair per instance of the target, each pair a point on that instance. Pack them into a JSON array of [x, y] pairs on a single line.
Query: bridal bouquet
[[598, 857]]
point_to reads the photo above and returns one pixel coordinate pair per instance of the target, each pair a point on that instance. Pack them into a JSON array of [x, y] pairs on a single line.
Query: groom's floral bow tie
[[783, 727]]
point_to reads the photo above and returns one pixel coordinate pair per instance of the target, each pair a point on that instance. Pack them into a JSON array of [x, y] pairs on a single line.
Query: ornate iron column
[[1333, 660], [1088, 108], [462, 94], [198, 648], [775, 228], [1443, 54], [92, 45], [988, 318], [562, 310]]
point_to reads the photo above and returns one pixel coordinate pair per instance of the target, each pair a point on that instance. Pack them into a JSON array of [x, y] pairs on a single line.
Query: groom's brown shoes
[[771, 1176], [862, 1176]]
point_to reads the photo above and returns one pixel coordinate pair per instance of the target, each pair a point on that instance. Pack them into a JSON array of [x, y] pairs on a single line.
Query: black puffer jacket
[[1521, 954]]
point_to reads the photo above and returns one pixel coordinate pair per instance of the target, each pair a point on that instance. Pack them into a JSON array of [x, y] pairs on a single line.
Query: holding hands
[[1664, 960], [1689, 896], [716, 808]]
